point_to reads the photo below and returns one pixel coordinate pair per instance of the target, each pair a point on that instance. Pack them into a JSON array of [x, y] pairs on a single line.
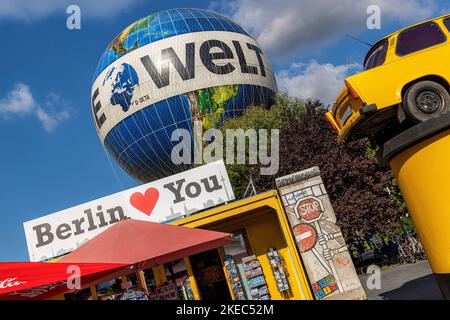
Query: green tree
[[356, 183], [255, 118]]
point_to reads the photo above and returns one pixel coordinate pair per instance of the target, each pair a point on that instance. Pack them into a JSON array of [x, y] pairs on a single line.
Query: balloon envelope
[[168, 72]]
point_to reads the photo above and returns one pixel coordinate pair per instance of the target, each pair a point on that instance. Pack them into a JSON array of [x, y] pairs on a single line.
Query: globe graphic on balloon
[[122, 81], [170, 72]]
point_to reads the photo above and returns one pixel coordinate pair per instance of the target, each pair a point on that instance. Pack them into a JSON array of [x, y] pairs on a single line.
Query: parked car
[[405, 80]]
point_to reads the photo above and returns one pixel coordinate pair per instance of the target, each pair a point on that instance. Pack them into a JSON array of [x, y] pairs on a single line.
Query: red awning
[[108, 256], [41, 280], [134, 241]]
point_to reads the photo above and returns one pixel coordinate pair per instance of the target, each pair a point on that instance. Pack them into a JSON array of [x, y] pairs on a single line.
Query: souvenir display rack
[[278, 269], [255, 278], [234, 278], [168, 291]]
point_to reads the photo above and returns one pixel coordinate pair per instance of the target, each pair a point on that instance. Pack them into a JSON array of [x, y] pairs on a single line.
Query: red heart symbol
[[145, 202]]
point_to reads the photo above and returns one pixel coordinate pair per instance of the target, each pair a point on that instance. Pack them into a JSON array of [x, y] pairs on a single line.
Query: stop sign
[[309, 209], [306, 236]]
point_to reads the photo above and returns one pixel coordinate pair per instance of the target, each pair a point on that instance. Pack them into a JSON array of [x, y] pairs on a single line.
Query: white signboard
[[159, 201]]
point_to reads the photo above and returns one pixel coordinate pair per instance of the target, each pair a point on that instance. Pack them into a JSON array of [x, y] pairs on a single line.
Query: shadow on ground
[[423, 288], [405, 282]]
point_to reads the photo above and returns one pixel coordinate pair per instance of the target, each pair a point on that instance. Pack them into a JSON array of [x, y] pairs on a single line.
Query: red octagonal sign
[[309, 209]]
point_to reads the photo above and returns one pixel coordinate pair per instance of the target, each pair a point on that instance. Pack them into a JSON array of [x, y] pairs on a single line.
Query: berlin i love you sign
[[163, 200]]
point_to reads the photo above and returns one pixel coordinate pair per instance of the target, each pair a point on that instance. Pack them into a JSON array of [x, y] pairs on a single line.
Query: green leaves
[[355, 182]]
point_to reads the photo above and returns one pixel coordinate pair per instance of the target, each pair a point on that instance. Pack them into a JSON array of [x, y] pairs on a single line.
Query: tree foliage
[[255, 118], [356, 183]]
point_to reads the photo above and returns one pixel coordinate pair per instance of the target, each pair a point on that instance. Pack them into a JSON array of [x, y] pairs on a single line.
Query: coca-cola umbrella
[[42, 280]]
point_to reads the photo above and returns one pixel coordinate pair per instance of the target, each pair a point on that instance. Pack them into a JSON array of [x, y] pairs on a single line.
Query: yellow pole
[[94, 292], [192, 280], [222, 259], [159, 273], [423, 175], [420, 158], [141, 281]]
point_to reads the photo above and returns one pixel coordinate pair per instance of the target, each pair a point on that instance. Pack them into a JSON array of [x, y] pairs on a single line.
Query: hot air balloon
[[173, 70]]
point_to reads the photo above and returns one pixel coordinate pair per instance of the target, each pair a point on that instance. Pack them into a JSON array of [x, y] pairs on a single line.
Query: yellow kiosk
[[263, 263], [262, 231]]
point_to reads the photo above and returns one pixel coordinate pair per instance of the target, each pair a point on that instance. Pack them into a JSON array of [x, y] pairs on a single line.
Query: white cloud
[[287, 27], [314, 80], [51, 120], [30, 10], [20, 101]]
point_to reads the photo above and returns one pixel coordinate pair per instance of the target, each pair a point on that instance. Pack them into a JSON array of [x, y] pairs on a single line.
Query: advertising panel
[[167, 199]]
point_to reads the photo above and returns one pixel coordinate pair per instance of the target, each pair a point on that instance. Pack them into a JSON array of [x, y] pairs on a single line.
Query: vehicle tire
[[425, 100]]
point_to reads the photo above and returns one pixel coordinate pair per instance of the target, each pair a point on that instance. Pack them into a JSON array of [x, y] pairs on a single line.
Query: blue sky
[[51, 157]]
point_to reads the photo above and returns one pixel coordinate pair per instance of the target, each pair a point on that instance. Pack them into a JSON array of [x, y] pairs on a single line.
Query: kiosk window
[[419, 38]]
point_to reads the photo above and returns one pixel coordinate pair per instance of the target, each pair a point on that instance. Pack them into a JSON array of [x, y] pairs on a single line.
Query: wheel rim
[[429, 101]]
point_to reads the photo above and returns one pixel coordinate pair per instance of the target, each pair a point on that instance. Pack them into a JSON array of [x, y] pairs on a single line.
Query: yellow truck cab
[[405, 81]]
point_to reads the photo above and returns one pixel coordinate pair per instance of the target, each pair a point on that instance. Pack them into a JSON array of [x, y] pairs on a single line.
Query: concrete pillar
[[322, 247]]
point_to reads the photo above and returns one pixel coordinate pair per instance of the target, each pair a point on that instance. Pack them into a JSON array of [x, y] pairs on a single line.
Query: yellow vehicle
[[405, 81]]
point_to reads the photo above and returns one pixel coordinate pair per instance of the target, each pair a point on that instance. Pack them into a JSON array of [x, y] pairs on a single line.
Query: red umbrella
[[134, 241], [41, 280], [106, 256]]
